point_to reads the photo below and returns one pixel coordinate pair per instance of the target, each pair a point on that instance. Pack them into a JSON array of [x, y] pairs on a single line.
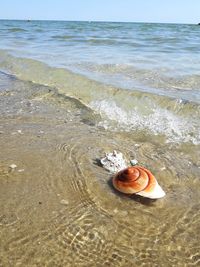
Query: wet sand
[[58, 207]]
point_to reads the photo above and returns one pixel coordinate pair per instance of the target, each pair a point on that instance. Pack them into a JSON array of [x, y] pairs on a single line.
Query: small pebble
[[137, 145], [115, 210], [64, 202], [19, 131], [163, 168], [29, 104], [133, 162], [13, 166]]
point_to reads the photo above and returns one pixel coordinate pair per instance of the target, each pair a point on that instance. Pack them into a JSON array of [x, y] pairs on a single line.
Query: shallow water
[[58, 207], [69, 93], [135, 75]]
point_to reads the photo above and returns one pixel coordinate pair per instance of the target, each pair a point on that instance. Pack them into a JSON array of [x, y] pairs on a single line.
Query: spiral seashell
[[138, 180]]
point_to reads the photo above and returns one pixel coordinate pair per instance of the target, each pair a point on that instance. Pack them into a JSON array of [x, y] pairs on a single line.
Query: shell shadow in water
[[97, 162]]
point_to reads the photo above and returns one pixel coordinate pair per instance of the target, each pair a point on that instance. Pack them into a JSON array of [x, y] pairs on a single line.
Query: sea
[[142, 76], [72, 91]]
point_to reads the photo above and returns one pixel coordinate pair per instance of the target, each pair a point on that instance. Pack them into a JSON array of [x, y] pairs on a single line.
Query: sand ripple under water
[[58, 207]]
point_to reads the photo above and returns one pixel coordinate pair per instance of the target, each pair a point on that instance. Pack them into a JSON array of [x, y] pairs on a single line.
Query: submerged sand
[[57, 205]]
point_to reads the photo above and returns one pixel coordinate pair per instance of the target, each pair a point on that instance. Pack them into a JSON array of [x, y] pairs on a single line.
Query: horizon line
[[29, 20]]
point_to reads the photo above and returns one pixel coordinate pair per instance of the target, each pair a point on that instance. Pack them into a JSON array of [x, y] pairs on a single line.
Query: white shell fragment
[[134, 162], [64, 202], [21, 170], [114, 162]]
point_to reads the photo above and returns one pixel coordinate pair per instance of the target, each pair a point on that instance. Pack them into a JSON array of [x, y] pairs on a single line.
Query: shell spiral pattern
[[138, 180]]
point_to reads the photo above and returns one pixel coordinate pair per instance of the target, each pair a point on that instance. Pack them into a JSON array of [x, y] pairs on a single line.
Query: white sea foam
[[159, 121]]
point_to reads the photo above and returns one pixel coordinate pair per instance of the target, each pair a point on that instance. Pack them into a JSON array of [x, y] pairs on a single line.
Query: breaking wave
[[128, 110]]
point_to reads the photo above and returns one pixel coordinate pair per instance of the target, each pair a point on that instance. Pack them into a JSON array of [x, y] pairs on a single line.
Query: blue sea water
[[155, 68]]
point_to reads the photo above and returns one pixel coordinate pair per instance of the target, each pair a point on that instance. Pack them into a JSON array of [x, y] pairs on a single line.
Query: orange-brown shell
[[134, 179]]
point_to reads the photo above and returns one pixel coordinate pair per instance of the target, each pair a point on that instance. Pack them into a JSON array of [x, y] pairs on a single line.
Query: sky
[[169, 11]]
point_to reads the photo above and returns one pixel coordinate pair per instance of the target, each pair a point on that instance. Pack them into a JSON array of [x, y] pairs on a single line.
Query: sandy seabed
[[57, 205]]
